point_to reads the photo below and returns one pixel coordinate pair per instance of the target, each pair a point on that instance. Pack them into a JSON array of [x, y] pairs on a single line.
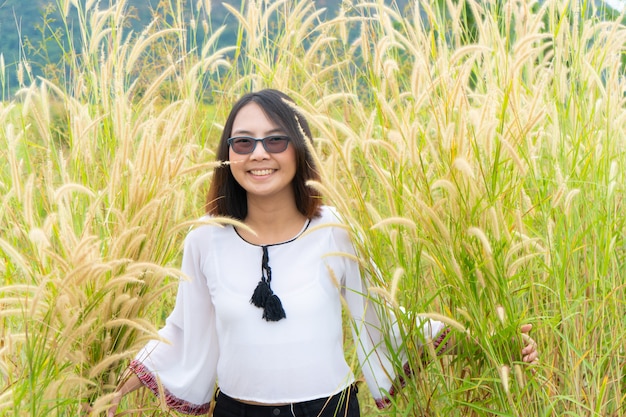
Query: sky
[[619, 5]]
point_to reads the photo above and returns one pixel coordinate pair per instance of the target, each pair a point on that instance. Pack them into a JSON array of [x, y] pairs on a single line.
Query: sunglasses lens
[[276, 144], [243, 145]]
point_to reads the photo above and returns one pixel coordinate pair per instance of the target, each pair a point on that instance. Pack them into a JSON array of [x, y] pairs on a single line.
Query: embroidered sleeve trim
[[442, 338], [440, 344], [150, 380]]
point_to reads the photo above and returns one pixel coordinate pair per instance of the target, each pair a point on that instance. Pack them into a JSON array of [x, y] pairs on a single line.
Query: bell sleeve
[[181, 366], [376, 332]]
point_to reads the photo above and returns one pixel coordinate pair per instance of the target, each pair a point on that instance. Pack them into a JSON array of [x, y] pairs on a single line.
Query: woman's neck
[[272, 223]]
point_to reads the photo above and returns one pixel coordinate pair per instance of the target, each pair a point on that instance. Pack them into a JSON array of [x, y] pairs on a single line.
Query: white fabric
[[215, 333]]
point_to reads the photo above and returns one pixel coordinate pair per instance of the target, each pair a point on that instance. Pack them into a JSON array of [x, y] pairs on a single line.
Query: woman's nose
[[259, 152]]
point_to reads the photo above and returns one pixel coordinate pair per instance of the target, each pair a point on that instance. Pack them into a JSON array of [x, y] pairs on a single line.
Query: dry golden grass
[[484, 178]]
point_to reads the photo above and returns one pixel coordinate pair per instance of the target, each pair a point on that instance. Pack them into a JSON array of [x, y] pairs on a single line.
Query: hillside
[[28, 28]]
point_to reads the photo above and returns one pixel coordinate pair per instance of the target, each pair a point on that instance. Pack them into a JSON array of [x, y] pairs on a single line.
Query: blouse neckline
[[304, 228]]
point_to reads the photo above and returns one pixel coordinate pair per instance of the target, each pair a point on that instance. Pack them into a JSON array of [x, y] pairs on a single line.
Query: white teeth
[[262, 172]]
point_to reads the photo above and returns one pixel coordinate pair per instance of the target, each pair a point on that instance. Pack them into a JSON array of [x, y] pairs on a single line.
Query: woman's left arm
[[444, 344]]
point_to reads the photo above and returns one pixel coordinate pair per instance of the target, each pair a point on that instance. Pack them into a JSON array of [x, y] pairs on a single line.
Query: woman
[[261, 313]]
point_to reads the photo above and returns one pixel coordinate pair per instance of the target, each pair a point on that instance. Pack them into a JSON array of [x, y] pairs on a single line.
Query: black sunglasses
[[245, 144]]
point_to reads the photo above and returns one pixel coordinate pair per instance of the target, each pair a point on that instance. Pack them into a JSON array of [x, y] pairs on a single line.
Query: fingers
[[526, 328], [530, 344], [529, 352], [532, 357], [111, 411], [87, 409], [116, 400]]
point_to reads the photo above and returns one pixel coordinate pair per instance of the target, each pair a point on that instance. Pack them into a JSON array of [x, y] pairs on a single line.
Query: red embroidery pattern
[[149, 380], [442, 336], [383, 403]]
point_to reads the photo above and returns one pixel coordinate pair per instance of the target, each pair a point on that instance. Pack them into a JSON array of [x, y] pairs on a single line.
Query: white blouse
[[215, 335]]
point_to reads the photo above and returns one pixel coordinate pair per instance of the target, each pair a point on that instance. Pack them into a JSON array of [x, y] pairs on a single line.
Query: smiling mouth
[[261, 172]]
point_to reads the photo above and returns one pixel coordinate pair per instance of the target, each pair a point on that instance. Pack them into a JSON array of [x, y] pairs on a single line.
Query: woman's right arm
[[180, 366]]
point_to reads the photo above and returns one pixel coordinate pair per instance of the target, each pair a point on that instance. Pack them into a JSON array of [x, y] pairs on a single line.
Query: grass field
[[479, 155]]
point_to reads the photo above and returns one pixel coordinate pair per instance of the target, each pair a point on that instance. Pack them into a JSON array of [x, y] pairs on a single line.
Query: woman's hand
[[529, 351], [115, 401], [87, 409]]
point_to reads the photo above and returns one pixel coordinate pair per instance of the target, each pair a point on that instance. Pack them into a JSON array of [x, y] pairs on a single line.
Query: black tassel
[[260, 294], [263, 296], [273, 310]]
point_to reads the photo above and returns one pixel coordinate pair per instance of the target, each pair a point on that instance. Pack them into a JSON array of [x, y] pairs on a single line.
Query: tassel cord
[[266, 270]]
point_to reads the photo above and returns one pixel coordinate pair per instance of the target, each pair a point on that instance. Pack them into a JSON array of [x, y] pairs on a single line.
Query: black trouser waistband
[[342, 404]]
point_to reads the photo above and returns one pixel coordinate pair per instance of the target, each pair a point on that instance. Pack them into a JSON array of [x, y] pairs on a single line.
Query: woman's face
[[260, 173]]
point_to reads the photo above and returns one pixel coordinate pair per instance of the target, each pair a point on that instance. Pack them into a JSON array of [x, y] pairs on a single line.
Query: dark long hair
[[227, 198]]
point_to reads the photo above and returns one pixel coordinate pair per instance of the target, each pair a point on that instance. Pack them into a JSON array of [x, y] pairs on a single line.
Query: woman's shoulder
[[332, 221], [207, 227], [331, 218], [329, 214]]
